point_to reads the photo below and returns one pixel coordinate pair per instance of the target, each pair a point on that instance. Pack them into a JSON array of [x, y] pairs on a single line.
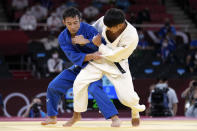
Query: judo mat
[[147, 124]]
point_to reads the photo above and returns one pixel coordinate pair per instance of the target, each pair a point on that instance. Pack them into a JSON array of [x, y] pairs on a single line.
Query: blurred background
[[166, 56]]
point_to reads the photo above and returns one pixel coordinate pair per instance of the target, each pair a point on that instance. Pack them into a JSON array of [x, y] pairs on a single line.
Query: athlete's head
[[71, 19], [114, 19]]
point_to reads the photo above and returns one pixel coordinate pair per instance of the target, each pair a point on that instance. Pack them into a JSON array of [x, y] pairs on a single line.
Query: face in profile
[[72, 24]]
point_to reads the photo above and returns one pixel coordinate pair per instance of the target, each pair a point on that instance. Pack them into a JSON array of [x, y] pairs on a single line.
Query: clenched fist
[[79, 39]]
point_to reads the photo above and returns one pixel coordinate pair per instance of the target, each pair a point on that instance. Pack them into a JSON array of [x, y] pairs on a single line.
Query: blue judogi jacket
[[76, 53]]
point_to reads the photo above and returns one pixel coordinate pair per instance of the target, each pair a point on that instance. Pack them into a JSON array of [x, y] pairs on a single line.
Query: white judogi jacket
[[117, 51]]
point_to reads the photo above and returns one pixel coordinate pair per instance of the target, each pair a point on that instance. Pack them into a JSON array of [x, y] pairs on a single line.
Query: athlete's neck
[[73, 35], [113, 36]]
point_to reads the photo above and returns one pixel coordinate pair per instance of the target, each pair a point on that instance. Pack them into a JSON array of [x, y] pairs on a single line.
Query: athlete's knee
[[130, 101], [91, 89], [79, 84], [135, 99], [95, 86]]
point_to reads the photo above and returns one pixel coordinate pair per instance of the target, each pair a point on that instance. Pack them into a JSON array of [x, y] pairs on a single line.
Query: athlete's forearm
[[80, 40], [88, 57], [92, 56]]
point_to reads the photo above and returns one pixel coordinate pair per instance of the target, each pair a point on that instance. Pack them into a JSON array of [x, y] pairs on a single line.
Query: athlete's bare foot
[[135, 121], [115, 121], [49, 120], [76, 117]]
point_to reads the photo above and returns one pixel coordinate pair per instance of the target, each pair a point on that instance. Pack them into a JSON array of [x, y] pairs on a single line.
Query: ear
[[120, 25], [64, 22]]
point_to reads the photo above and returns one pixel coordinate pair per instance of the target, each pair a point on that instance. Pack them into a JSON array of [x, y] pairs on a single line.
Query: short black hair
[[71, 12], [114, 17]]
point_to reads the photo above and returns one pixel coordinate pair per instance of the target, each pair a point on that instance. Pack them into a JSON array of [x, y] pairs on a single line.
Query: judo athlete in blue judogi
[[79, 55]]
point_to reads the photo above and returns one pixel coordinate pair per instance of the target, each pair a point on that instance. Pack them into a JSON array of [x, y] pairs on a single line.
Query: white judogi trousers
[[123, 85]]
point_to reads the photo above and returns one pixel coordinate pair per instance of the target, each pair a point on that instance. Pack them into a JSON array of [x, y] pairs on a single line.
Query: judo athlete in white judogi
[[121, 40]]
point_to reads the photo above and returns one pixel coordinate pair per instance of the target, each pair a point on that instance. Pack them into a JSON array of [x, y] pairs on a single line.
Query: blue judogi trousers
[[61, 83]]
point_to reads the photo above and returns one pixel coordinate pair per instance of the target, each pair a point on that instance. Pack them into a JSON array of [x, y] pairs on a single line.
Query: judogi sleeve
[[125, 48], [74, 55]]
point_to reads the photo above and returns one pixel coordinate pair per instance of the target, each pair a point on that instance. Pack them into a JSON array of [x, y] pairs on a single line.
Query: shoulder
[[64, 32], [87, 26], [130, 32], [130, 28], [99, 25], [62, 36], [100, 21], [84, 25]]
